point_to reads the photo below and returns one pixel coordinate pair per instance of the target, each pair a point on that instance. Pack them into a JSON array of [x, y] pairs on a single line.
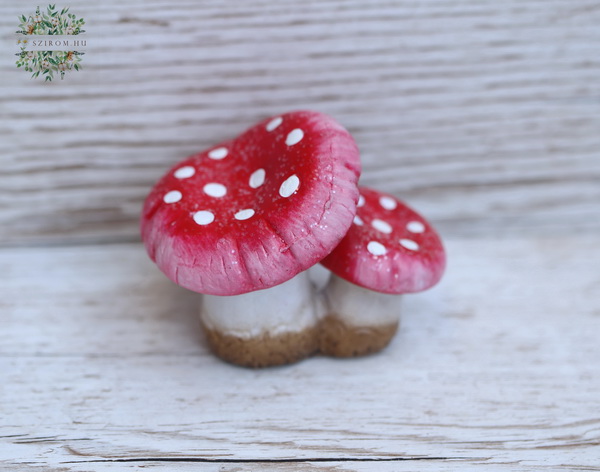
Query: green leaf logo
[[49, 22]]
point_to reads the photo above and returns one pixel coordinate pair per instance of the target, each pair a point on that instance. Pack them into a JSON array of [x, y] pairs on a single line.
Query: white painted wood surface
[[103, 368], [483, 114]]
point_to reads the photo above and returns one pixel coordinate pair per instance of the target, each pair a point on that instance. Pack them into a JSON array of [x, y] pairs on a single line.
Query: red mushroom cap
[[390, 248], [251, 213]]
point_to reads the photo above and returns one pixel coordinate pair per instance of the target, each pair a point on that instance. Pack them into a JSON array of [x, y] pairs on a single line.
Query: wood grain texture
[[484, 115], [102, 367]]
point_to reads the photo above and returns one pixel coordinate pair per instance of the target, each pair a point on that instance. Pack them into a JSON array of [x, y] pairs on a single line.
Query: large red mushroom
[[238, 221]]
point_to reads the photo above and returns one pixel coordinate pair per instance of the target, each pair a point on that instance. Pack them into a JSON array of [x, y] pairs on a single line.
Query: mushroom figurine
[[242, 221], [389, 250]]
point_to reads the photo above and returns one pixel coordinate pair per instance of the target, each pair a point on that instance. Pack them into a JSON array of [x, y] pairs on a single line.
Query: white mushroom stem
[[277, 324], [286, 307], [357, 320], [358, 306]]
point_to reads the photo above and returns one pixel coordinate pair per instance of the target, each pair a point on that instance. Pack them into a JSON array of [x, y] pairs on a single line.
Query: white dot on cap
[[172, 196], [274, 123], [409, 244], [358, 221], [377, 249], [244, 214], [204, 217], [257, 178], [361, 201], [184, 172], [289, 186], [388, 203], [218, 153], [215, 190], [415, 227], [294, 137], [382, 226]]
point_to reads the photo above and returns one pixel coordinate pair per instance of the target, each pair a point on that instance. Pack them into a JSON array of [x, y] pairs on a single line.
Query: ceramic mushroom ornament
[[389, 250], [238, 221]]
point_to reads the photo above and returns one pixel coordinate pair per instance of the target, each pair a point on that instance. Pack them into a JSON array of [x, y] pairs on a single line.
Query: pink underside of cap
[[284, 236], [400, 260]]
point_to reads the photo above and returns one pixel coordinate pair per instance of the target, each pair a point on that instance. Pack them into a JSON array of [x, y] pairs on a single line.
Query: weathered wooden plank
[[482, 114], [101, 359], [188, 465]]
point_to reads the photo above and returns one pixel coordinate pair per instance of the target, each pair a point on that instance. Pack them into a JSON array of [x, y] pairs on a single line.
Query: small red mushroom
[[249, 214], [389, 250]]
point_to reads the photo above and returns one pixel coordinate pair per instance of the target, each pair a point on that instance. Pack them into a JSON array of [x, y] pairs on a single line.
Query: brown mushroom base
[[339, 339], [263, 351]]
